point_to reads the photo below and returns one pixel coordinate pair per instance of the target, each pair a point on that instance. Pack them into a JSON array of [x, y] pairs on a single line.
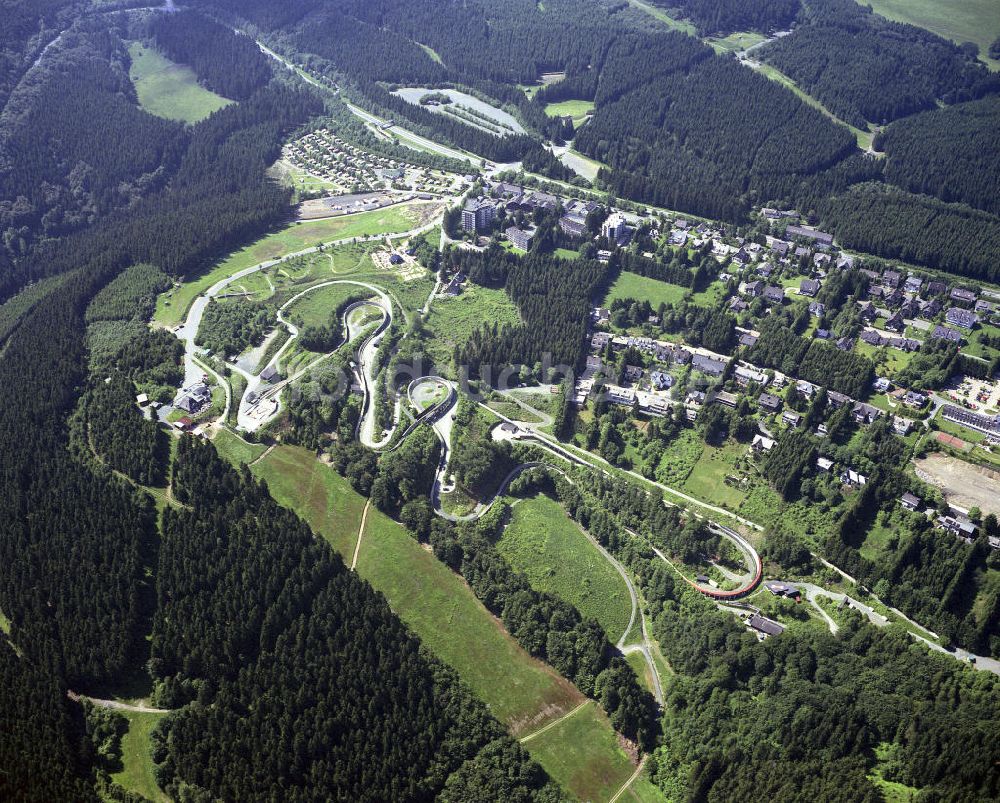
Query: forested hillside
[[551, 294], [948, 153], [284, 650], [673, 142], [864, 67], [725, 16]]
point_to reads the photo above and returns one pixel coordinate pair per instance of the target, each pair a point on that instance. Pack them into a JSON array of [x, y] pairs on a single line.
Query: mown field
[[546, 545], [172, 306], [641, 288], [170, 90], [137, 774]]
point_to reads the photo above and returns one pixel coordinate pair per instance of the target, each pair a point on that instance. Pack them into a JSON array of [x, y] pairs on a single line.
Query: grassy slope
[[427, 595], [436, 603], [173, 305], [234, 449], [137, 774], [641, 288], [584, 751], [545, 544], [170, 90]]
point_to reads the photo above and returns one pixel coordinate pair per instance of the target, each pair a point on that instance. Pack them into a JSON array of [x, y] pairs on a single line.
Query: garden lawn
[[642, 288], [546, 545], [170, 90], [707, 478]]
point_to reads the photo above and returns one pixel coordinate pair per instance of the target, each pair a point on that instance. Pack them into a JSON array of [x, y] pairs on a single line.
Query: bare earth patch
[[964, 484]]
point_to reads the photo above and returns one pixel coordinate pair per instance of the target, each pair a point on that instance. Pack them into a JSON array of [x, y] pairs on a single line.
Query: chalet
[[738, 305], [901, 426], [985, 308], [893, 299], [681, 224], [876, 293], [930, 309], [851, 477], [801, 251], [780, 247], [270, 374], [696, 397], [817, 309], [774, 295], [761, 443], [599, 340], [754, 289], [845, 262], [881, 385], [896, 323], [872, 338], [726, 399], [780, 589], [194, 398], [764, 627], [959, 526], [822, 334], [678, 238], [914, 399], [824, 464], [868, 313], [822, 260], [661, 380], [766, 270], [913, 284], [791, 418], [845, 343], [836, 399], [741, 257], [962, 296], [744, 376], [708, 365], [769, 403], [961, 317], [865, 413], [936, 288], [620, 395], [909, 501], [805, 389], [633, 373], [748, 340], [944, 333], [142, 399], [891, 278]]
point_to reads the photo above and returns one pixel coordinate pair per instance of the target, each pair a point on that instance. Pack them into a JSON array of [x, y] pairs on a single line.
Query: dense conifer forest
[[864, 67]]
